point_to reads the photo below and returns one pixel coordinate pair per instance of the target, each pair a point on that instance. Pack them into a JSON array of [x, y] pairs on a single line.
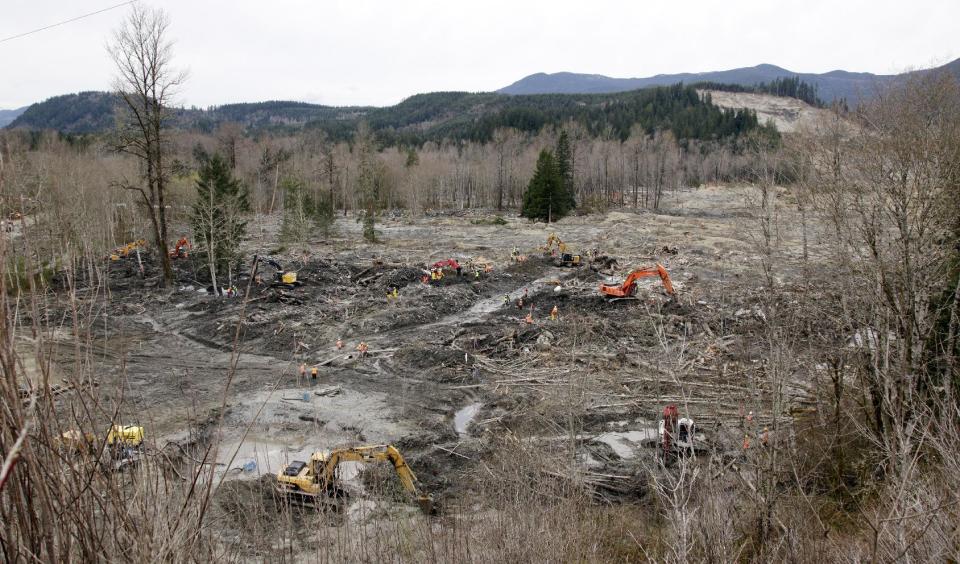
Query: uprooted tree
[[146, 82]]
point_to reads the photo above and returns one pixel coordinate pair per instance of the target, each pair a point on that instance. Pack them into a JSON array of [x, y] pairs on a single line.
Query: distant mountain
[[7, 116], [831, 85], [91, 112]]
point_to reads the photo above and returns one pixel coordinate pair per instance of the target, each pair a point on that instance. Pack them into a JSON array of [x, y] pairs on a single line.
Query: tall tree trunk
[[211, 244], [162, 213]]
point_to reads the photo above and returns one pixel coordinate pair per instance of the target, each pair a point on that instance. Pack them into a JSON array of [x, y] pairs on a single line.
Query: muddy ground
[[453, 369]]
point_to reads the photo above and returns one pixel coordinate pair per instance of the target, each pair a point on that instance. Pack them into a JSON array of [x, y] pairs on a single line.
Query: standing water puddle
[[625, 444], [462, 418]]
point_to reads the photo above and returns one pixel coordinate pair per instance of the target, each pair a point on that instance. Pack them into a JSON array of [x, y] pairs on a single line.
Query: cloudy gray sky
[[379, 52]]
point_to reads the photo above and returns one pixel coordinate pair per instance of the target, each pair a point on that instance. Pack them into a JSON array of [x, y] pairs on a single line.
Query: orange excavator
[[629, 286], [181, 249]]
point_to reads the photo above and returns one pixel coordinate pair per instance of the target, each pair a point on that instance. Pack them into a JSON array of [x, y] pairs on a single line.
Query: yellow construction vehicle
[[129, 436], [124, 442], [281, 278], [125, 250], [562, 252], [315, 482], [119, 437]]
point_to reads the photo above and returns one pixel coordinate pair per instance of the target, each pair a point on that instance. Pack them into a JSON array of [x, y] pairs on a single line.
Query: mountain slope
[[83, 112], [7, 116], [831, 85], [435, 116], [91, 112]]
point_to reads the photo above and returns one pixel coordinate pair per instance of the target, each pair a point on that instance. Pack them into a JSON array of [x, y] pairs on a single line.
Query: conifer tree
[[546, 197], [218, 219]]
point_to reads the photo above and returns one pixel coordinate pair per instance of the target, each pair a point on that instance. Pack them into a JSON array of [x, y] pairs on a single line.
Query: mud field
[[453, 370]]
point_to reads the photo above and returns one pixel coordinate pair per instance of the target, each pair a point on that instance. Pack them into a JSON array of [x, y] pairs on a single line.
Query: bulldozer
[[125, 444], [315, 483], [629, 287], [119, 436], [562, 252]]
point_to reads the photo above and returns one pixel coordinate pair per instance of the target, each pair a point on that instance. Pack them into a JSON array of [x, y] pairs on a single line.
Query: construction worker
[[554, 313], [339, 344], [313, 372], [362, 348], [303, 369]]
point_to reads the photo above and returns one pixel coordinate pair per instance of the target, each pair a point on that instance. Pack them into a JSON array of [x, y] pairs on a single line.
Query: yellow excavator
[[315, 482], [125, 250], [564, 257]]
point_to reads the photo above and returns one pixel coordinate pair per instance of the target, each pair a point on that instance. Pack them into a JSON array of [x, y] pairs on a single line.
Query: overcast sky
[[379, 52]]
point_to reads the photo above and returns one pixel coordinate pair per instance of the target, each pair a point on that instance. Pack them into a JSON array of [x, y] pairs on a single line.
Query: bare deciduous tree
[[147, 83]]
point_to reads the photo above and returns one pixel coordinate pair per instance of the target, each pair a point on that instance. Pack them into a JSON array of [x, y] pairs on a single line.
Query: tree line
[[786, 86]]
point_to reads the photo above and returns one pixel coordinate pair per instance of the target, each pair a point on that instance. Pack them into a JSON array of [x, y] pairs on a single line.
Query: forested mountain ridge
[[91, 112], [430, 117], [830, 86]]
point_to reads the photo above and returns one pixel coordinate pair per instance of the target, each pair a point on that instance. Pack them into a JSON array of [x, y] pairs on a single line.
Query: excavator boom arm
[[626, 289], [383, 453]]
